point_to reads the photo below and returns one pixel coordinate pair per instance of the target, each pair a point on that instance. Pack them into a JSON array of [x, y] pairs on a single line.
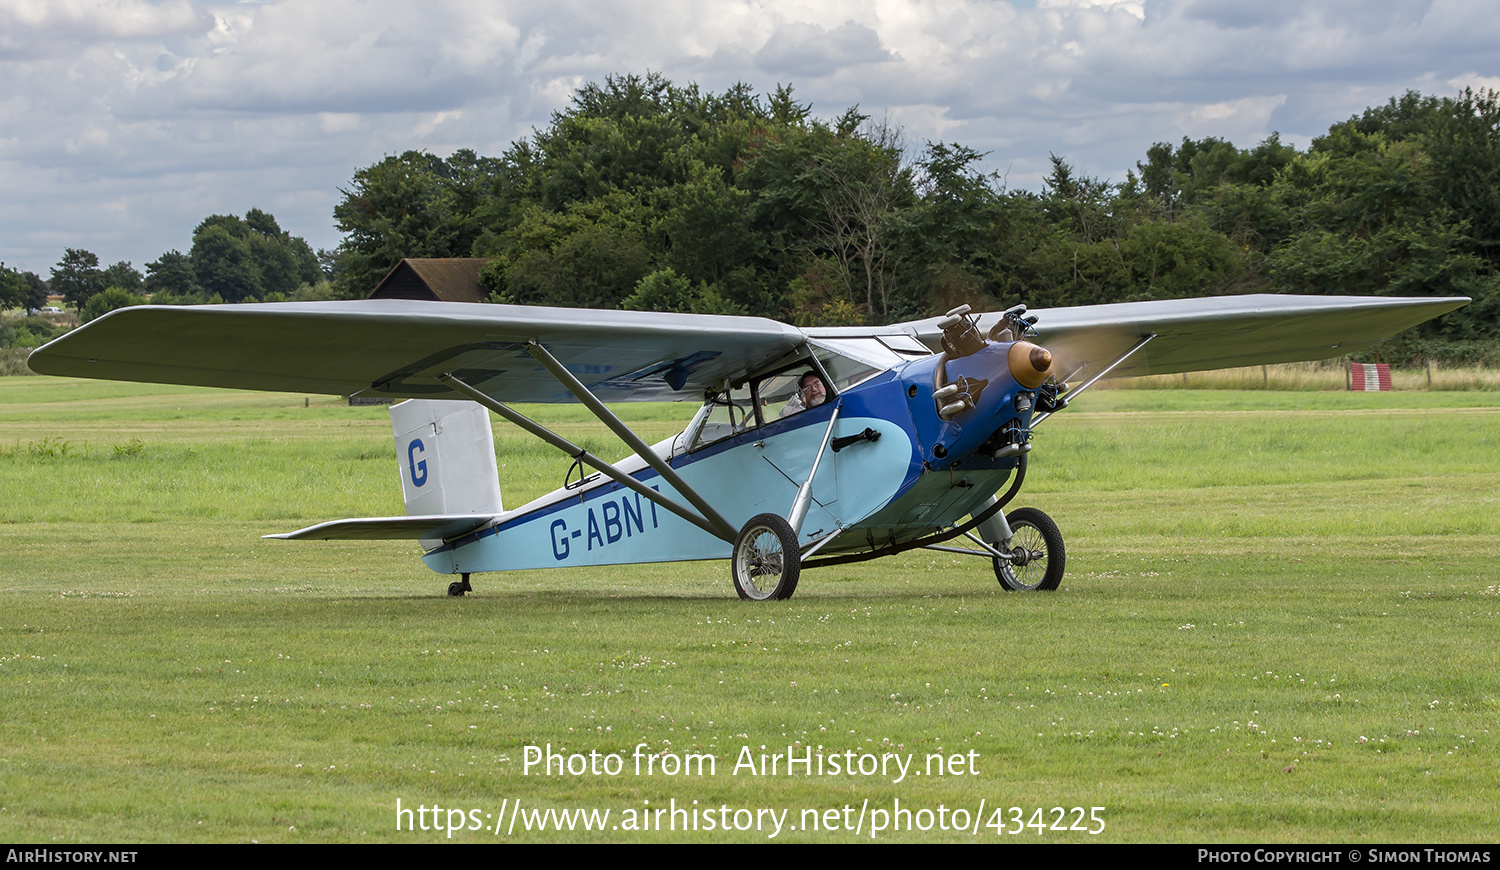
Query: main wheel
[[1038, 554], [767, 560]]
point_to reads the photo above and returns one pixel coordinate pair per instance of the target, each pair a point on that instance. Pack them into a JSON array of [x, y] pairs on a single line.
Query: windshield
[[851, 361]]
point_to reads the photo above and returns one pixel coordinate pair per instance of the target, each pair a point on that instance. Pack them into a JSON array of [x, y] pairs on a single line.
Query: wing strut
[[804, 492], [721, 527], [1091, 381], [581, 454]]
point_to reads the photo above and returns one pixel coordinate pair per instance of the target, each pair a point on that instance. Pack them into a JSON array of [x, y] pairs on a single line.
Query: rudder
[[446, 450]]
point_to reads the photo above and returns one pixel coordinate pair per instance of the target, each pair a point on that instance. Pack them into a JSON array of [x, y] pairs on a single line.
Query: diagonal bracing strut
[[633, 441], [804, 492], [580, 454], [1035, 421]]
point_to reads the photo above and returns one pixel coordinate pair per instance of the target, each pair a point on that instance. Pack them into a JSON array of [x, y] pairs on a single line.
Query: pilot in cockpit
[[811, 393]]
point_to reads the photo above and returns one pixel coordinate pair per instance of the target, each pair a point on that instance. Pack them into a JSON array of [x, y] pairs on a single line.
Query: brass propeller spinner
[[1030, 364]]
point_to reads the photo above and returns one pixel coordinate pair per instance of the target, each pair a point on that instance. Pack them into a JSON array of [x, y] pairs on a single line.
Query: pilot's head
[[810, 388]]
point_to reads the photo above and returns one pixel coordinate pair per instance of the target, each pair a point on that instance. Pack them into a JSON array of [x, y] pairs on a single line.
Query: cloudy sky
[[123, 123]]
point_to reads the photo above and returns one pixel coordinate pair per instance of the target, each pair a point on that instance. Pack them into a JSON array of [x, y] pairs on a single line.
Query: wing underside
[[398, 348], [1219, 332]]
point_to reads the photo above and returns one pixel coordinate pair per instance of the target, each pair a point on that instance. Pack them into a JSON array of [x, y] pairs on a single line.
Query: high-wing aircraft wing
[[1218, 332], [398, 348]]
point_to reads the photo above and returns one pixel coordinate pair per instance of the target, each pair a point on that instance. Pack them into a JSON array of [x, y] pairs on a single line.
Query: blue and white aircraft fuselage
[[754, 471]]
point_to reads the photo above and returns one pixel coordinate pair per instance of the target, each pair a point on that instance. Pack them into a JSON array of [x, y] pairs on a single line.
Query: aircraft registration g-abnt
[[811, 446]]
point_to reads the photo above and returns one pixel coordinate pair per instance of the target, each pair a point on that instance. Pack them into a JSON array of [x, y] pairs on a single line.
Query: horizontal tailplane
[[446, 453]]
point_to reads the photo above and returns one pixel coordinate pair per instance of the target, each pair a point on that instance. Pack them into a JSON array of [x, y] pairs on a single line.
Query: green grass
[[1277, 625], [1314, 376]]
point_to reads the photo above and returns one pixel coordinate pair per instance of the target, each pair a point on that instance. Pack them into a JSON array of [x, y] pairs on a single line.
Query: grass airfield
[[1278, 624]]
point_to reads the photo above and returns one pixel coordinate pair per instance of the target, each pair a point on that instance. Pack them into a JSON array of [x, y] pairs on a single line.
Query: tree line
[[651, 195], [232, 259]]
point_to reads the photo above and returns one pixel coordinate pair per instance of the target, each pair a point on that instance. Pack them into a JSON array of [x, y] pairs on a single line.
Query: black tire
[[456, 589], [1037, 535], [766, 561]]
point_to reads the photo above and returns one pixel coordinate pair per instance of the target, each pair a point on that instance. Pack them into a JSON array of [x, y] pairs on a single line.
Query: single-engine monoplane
[[811, 446]]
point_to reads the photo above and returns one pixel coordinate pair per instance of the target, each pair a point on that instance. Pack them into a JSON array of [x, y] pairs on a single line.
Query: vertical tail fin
[[447, 455]]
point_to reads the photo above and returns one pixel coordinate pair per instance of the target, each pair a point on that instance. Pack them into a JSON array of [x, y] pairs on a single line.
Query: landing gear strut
[[457, 588]]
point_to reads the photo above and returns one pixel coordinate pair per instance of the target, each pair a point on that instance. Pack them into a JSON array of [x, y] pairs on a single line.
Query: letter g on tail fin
[[447, 455]]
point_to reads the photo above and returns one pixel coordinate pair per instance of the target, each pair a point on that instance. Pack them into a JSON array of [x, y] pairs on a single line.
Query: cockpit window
[[852, 361], [791, 386], [905, 345], [728, 414]]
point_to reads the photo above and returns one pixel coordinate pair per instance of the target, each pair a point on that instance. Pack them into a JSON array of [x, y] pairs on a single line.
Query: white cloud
[[802, 49], [42, 27], [126, 122], [1474, 81], [1136, 8]]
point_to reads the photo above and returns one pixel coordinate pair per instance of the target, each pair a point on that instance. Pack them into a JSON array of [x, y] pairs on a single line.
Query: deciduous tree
[[77, 277]]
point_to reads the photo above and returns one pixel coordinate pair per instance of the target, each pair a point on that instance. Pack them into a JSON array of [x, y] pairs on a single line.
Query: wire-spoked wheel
[[1037, 556], [766, 561]]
